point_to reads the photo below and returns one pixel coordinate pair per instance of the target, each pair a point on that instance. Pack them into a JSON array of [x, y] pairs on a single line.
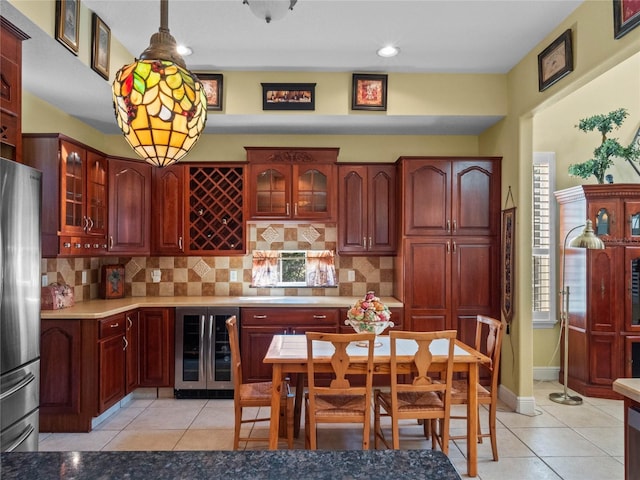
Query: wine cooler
[[203, 354]]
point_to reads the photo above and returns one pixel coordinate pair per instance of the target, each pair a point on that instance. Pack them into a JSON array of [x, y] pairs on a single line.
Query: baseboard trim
[[546, 374], [523, 405]]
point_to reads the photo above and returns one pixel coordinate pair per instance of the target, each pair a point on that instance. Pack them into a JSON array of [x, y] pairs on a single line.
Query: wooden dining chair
[[416, 395], [255, 395], [492, 331], [340, 402]]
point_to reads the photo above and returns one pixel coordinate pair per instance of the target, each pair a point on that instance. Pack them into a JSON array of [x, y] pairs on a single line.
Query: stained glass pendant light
[[160, 106]]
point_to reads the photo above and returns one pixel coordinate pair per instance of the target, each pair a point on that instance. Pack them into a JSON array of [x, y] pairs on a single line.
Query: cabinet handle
[[448, 248], [129, 322], [319, 317], [115, 325], [293, 332], [287, 206], [180, 244], [89, 223], [295, 209], [260, 316], [85, 223], [454, 247], [448, 226], [455, 226], [369, 243], [126, 343], [110, 242]]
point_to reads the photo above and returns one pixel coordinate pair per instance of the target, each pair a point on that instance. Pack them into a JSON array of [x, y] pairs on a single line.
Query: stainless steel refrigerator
[[20, 192]]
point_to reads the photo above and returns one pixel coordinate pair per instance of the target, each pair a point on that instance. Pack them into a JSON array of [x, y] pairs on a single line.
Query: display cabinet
[[292, 184], [604, 310]]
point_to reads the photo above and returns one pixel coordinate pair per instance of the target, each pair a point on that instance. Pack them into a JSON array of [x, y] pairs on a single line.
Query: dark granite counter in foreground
[[254, 465]]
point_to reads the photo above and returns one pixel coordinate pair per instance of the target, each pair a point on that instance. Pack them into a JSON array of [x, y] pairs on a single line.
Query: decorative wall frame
[[100, 46], [626, 16], [508, 283], [288, 96], [68, 24], [369, 92], [555, 61], [112, 281], [212, 83]]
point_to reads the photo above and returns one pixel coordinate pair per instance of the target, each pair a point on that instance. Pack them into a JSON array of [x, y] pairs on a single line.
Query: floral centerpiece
[[369, 315]]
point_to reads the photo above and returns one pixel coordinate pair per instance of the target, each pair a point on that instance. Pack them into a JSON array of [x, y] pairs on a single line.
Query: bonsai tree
[[609, 148]]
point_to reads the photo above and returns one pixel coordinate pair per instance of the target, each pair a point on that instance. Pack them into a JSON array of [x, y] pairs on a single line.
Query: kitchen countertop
[[104, 308], [256, 465], [629, 387]]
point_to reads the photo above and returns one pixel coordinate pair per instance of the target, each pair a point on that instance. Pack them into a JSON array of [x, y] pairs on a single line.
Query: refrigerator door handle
[[203, 326], [21, 438], [23, 382], [210, 358]]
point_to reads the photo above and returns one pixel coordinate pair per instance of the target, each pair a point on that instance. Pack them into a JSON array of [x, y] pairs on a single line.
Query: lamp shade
[[587, 239], [160, 108]]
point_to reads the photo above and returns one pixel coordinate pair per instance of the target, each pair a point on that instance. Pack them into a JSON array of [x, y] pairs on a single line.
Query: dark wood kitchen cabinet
[[259, 325], [603, 335], [129, 207], [112, 346], [74, 195], [449, 256], [132, 360], [11, 39], [367, 209], [292, 184], [167, 221], [157, 347]]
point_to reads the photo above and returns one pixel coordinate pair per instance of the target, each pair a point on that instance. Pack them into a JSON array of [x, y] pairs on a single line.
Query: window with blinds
[[543, 281]]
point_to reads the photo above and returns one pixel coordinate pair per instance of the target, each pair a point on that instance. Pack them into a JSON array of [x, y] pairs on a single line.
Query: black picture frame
[[288, 96], [555, 61], [100, 46], [369, 92], [212, 83], [68, 24], [626, 17]]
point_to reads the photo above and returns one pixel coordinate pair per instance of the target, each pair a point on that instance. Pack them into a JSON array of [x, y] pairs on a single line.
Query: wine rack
[[216, 211]]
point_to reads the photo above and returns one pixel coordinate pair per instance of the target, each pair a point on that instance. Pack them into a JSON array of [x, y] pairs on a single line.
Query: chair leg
[[479, 427], [376, 424], [366, 431], [290, 422], [238, 425], [492, 430], [395, 433]]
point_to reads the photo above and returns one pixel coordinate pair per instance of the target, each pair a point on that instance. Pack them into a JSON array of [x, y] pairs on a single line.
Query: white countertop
[[629, 387], [104, 308]]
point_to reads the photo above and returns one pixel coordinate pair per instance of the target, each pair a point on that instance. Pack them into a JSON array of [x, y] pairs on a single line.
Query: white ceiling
[[444, 36]]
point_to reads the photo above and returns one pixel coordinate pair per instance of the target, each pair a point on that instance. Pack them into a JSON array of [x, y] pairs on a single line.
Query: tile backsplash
[[212, 275]]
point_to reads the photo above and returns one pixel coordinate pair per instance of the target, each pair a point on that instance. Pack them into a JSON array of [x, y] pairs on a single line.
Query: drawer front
[[112, 326], [289, 316]]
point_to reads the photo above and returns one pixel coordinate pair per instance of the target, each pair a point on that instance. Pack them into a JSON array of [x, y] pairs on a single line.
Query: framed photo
[[369, 92], [288, 96], [555, 61], [508, 283], [626, 16], [212, 83], [68, 24], [100, 46]]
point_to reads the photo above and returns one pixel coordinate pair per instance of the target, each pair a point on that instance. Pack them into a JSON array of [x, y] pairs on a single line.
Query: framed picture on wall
[[68, 24], [369, 92], [288, 96], [555, 61], [212, 83], [626, 16], [100, 46]]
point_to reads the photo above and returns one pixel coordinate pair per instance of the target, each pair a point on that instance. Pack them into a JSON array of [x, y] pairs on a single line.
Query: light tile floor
[[560, 442]]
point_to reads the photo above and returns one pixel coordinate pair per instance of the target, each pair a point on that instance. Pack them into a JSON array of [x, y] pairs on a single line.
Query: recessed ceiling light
[[388, 51], [184, 50]]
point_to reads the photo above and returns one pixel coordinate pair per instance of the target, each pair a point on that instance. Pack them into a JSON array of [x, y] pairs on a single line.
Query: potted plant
[[609, 148]]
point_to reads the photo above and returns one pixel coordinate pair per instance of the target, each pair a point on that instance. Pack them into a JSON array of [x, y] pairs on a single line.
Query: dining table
[[288, 355]]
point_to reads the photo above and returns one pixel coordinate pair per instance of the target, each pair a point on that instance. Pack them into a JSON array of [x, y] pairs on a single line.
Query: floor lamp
[[587, 239]]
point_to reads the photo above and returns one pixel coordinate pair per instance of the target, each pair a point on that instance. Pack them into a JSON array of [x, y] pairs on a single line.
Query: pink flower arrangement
[[369, 309]]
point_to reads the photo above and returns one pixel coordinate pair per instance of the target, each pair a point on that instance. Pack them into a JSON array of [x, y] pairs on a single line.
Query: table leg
[[472, 421], [275, 406], [297, 411]]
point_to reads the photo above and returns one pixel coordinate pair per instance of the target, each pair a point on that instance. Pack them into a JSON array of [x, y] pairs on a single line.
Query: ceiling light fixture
[[184, 50], [388, 51], [270, 9], [160, 106]]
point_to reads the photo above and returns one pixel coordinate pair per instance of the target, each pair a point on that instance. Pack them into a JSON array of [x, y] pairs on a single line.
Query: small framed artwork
[[626, 16], [369, 92], [212, 83], [112, 281], [68, 24], [508, 282], [100, 46], [555, 61], [288, 96]]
